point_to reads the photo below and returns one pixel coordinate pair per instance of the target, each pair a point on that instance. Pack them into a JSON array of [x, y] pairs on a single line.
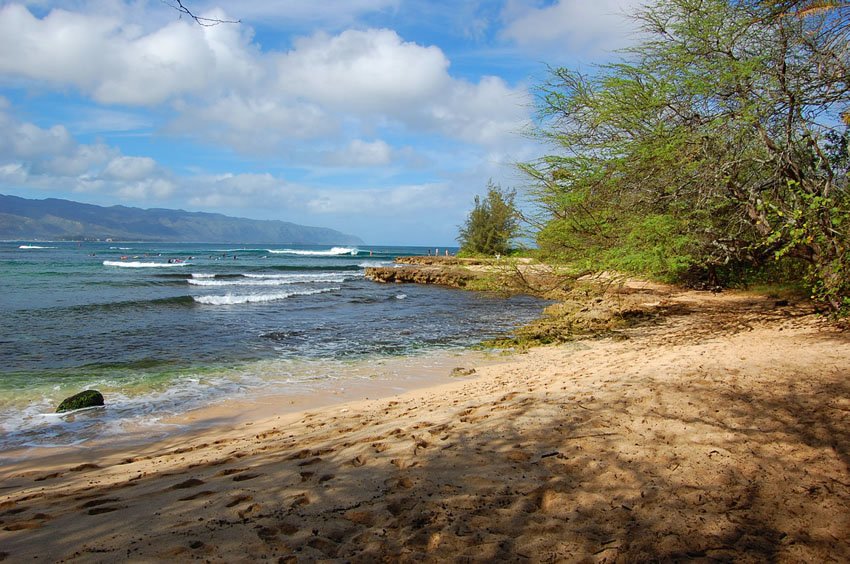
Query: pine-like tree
[[492, 223]]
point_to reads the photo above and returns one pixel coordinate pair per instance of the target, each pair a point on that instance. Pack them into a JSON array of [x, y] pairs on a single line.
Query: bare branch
[[206, 22]]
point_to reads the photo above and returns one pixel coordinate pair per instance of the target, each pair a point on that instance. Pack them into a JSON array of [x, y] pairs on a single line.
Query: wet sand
[[720, 433]]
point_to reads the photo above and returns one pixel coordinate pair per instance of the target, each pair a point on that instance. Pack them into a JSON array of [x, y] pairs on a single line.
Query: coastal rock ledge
[[441, 276], [88, 398]]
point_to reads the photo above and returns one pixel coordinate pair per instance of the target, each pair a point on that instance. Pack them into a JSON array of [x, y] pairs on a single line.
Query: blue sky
[[380, 118]]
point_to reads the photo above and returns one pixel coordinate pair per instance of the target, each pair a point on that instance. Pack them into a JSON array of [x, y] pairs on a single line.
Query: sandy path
[[721, 434]]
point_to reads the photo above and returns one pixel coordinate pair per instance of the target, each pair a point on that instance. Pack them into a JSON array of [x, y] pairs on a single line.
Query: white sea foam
[[375, 263], [231, 299], [34, 247], [137, 264], [202, 275], [336, 251], [290, 276], [266, 281], [311, 277], [401, 296], [120, 248]]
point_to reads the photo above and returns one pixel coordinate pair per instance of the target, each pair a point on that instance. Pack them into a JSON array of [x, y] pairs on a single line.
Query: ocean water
[[163, 328]]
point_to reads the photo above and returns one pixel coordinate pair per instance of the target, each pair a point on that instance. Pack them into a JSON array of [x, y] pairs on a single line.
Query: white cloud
[[30, 140], [580, 27], [226, 90], [81, 160], [254, 124], [361, 153], [371, 71], [234, 191], [50, 159], [404, 200], [129, 168], [486, 113], [146, 190], [117, 64]]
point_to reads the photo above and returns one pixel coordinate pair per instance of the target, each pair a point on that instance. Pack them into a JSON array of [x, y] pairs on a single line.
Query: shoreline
[[720, 432], [362, 379]]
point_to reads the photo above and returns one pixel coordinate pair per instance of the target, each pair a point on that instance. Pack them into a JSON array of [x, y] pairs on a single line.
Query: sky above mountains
[[381, 118]]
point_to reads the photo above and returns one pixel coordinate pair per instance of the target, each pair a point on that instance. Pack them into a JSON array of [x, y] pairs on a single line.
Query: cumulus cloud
[[583, 28], [371, 70], [79, 160], [51, 159], [225, 89], [118, 64]]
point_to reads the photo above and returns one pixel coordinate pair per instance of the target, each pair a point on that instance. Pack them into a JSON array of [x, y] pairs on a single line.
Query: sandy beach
[[721, 432]]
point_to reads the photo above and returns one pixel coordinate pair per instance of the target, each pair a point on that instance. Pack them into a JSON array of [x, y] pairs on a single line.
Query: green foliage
[[713, 151], [491, 225]]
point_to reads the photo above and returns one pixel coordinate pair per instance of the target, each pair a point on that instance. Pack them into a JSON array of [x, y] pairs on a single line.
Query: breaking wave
[[230, 299], [336, 251]]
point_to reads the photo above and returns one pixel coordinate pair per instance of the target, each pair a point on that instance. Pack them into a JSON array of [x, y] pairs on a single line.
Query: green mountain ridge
[[57, 219]]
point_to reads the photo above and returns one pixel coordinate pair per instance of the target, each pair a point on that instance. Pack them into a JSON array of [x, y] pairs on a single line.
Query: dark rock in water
[[461, 371], [88, 398]]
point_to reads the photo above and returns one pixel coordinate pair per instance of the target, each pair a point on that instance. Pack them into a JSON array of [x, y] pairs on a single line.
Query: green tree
[[710, 149], [492, 224]]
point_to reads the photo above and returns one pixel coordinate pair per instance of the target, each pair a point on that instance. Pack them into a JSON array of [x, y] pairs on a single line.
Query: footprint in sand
[[310, 462], [250, 510], [379, 447], [96, 502], [231, 471], [239, 499], [518, 456], [403, 483], [86, 466], [35, 522], [401, 464], [300, 501], [301, 454], [244, 477], [199, 495], [190, 483], [100, 510]]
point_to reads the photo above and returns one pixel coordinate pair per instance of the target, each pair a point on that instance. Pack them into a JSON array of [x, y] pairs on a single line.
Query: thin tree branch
[[206, 22]]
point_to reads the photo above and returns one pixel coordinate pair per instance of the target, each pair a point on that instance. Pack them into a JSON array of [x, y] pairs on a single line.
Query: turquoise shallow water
[[164, 327]]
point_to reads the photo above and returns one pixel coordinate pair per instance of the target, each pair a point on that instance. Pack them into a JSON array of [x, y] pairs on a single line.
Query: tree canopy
[[714, 148], [491, 225]]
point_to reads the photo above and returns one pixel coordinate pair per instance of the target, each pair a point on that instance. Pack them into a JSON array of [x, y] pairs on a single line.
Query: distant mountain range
[[54, 219]]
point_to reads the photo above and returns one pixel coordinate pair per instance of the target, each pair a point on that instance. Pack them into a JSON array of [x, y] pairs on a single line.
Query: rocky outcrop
[[88, 398], [444, 261], [454, 277]]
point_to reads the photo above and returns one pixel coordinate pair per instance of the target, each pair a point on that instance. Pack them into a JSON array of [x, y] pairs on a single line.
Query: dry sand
[[721, 433]]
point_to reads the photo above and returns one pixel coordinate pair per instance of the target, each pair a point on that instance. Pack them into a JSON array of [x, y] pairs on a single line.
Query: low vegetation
[[714, 154]]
